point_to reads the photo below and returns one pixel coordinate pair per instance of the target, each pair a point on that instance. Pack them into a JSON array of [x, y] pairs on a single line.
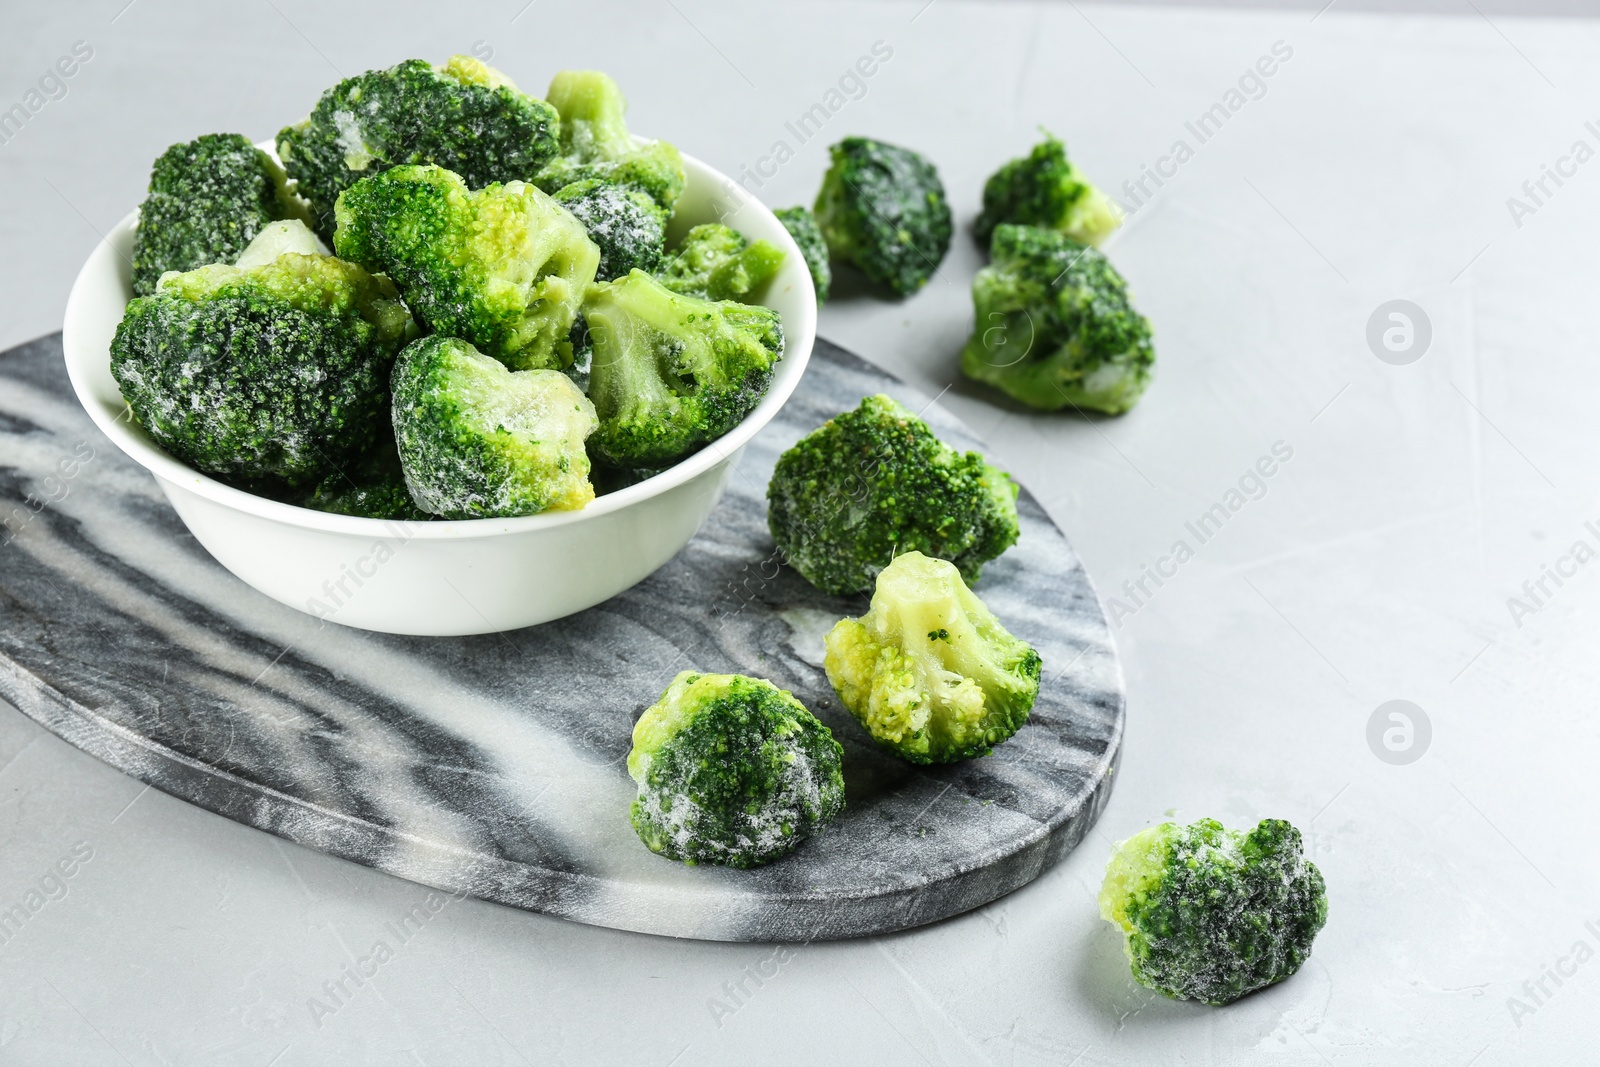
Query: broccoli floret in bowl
[[464, 116], [208, 200], [596, 144], [1211, 914], [505, 267], [883, 208], [1043, 188], [929, 671], [628, 227], [875, 482], [802, 226], [732, 771], [716, 262], [1055, 326]]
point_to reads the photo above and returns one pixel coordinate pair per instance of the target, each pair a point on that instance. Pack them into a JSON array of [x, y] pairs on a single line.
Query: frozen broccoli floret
[[875, 482], [595, 142], [716, 262], [478, 441], [464, 116], [672, 372], [1044, 189], [802, 226], [883, 208], [929, 671], [505, 267], [1211, 914], [629, 228], [277, 373], [208, 199], [373, 489], [732, 771], [1055, 327]]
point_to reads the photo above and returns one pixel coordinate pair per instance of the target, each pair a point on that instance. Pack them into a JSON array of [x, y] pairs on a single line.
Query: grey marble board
[[494, 765]]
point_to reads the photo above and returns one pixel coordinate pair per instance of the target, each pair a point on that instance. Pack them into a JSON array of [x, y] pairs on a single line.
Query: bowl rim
[[799, 339]]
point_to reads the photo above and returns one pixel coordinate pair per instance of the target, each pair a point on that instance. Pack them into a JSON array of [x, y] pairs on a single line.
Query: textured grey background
[[1377, 566]]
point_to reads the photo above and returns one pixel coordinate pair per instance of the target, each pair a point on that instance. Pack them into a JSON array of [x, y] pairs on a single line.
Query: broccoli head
[[875, 482], [627, 226], [464, 116], [732, 771], [929, 671], [208, 199], [670, 372], [375, 488], [716, 262], [1211, 914], [1044, 189], [883, 208], [596, 144], [505, 267], [279, 373], [1055, 327], [479, 441], [802, 226]]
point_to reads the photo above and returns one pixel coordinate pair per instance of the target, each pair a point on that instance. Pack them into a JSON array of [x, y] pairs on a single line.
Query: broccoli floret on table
[[279, 373], [875, 482], [1044, 189], [629, 228], [929, 671], [1055, 326], [596, 144], [732, 771], [464, 116], [716, 262], [883, 208], [1211, 914], [478, 441], [670, 372], [802, 226], [208, 199], [505, 267]]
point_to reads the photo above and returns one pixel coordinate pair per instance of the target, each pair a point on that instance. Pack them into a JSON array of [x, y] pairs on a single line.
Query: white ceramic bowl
[[458, 577]]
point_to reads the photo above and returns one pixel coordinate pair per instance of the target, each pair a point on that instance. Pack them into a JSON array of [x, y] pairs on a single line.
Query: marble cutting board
[[494, 765]]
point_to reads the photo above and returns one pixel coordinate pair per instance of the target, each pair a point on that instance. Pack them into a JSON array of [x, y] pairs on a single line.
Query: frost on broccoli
[[596, 144], [279, 373], [479, 441], [1211, 914], [1055, 326], [505, 267], [208, 199], [671, 373], [1044, 189], [629, 228], [883, 208], [875, 482], [929, 671], [464, 116], [716, 262], [732, 771], [802, 226]]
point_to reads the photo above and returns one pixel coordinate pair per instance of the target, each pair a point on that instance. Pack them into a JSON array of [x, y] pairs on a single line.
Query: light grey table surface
[[1377, 564]]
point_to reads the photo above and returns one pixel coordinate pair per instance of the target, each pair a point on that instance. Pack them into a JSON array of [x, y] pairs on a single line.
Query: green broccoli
[[278, 238], [732, 771], [372, 489], [505, 267], [479, 441], [464, 116], [1055, 327], [629, 228], [802, 226], [875, 482], [670, 372], [595, 142], [883, 208], [208, 199], [1211, 914], [929, 671], [279, 373], [1044, 189], [716, 262]]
